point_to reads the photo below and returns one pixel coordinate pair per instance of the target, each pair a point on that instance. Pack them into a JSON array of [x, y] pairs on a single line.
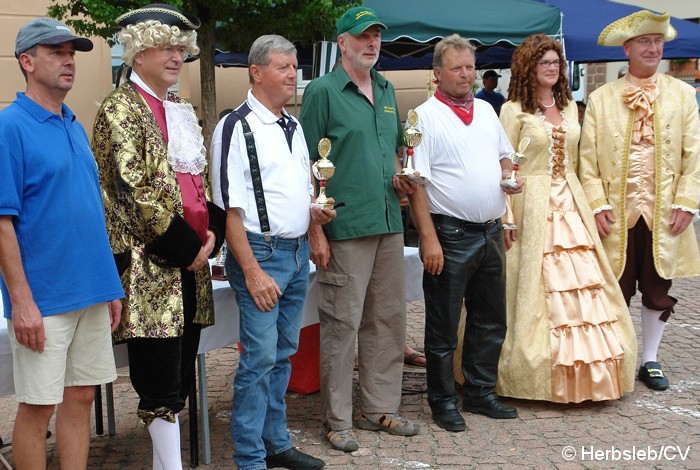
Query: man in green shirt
[[360, 255]]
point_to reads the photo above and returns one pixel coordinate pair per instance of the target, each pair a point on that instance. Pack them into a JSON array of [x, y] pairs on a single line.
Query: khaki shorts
[[77, 352]]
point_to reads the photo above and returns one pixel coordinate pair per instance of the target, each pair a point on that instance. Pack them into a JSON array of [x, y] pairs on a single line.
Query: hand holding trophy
[[323, 170], [518, 159], [412, 137]]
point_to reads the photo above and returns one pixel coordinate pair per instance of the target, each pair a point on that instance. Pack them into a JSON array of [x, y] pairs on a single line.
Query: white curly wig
[[151, 33]]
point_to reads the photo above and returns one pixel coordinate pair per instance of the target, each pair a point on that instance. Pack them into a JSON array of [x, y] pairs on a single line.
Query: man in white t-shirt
[[464, 155], [268, 267]]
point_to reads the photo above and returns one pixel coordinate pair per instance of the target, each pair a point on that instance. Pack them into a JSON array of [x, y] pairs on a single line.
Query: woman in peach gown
[[570, 337]]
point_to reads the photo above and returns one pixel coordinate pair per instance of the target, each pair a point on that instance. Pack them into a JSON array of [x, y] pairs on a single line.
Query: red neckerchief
[[464, 109]]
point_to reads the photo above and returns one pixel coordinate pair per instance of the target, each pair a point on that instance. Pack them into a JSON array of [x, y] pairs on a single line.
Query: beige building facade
[[686, 9], [93, 69]]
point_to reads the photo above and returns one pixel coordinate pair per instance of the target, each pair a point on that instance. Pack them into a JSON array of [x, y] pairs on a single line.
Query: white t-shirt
[[285, 173], [462, 163]]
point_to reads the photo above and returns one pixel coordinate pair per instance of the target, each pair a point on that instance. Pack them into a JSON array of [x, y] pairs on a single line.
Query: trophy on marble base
[[518, 159], [412, 137], [323, 171]]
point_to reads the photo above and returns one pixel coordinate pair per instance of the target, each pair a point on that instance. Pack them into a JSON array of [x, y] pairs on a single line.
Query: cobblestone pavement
[[656, 429]]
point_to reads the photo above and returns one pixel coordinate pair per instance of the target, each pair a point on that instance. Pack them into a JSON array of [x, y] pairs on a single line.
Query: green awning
[[415, 26]]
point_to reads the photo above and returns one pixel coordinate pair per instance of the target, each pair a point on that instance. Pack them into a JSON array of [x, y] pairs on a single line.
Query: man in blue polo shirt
[[489, 93], [58, 279]]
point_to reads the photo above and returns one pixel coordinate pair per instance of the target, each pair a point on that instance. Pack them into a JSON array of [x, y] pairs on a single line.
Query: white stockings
[[652, 331], [166, 444]]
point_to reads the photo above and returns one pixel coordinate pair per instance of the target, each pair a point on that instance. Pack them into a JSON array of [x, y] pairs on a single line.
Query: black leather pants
[[473, 272]]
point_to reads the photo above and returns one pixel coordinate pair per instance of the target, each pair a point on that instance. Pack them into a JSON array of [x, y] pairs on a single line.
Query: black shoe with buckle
[[652, 376], [294, 460], [491, 407]]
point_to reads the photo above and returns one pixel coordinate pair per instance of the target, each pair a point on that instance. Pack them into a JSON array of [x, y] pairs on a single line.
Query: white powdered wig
[[151, 33]]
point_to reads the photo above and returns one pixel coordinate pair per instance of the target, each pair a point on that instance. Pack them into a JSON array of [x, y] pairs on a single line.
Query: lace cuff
[[186, 153], [598, 210]]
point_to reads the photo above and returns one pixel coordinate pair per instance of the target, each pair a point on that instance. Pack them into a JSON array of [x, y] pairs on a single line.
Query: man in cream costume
[[640, 169]]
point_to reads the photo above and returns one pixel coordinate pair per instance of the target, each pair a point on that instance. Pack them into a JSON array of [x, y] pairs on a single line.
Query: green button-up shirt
[[364, 140]]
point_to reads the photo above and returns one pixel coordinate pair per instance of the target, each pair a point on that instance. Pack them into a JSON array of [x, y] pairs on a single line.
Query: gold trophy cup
[[412, 137], [323, 170], [518, 159]]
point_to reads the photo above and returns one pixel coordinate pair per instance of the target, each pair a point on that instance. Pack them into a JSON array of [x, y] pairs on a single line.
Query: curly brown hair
[[523, 79]]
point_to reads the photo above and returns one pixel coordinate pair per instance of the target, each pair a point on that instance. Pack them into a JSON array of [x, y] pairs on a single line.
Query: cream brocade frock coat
[[570, 337]]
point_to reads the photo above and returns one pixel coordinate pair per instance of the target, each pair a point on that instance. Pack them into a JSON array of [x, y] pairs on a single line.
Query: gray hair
[[265, 46], [454, 40]]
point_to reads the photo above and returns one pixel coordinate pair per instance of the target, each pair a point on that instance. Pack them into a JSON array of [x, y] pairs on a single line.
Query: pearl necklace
[[551, 105]]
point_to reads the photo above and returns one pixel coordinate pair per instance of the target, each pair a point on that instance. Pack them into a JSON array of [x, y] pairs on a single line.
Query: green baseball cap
[[356, 20]]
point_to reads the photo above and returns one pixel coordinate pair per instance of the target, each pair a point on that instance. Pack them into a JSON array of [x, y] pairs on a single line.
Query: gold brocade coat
[[604, 152], [529, 372], [145, 219]]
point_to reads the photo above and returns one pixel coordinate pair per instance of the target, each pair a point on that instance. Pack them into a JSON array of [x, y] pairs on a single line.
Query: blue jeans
[[259, 420]]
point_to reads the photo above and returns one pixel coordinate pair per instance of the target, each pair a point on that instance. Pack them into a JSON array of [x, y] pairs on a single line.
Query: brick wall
[[595, 77]]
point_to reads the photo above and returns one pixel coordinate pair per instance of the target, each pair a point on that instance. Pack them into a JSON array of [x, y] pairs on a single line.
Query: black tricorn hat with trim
[[166, 14]]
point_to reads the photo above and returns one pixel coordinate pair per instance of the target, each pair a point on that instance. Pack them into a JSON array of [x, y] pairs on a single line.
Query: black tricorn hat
[[166, 14]]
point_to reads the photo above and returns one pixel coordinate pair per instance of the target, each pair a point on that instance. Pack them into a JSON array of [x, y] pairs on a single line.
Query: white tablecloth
[[225, 331]]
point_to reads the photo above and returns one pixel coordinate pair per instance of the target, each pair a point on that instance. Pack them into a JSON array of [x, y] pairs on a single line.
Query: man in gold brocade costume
[[151, 158], [640, 169]]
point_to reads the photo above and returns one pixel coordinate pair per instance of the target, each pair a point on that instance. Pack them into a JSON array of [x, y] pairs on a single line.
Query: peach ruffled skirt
[[586, 352]]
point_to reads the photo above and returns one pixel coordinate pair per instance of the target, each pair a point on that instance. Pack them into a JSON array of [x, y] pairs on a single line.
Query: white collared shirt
[[462, 163], [285, 173]]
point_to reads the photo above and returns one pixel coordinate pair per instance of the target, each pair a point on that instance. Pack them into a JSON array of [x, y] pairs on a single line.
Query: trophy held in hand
[[323, 171], [518, 159], [412, 137]]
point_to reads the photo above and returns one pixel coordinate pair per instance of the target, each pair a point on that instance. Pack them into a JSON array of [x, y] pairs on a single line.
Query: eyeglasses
[[173, 51], [647, 42], [545, 64]]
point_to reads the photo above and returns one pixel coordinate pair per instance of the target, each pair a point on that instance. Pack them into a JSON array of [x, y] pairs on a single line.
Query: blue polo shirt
[[49, 185], [495, 99]]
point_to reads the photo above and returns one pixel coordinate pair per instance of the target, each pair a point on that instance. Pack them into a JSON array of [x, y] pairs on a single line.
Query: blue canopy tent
[[584, 20]]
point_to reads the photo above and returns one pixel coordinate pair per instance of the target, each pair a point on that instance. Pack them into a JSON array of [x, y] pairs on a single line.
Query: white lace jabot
[[186, 152]]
